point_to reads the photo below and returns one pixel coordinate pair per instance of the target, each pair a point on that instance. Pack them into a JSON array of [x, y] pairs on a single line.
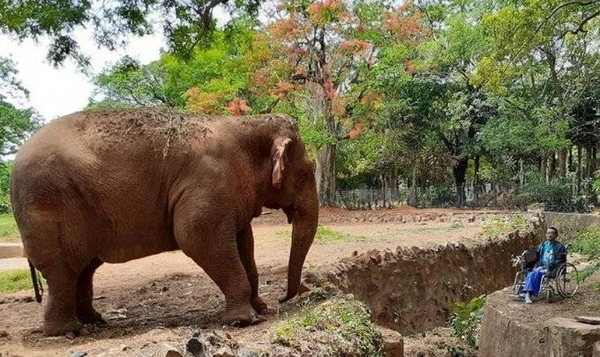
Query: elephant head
[[294, 190]]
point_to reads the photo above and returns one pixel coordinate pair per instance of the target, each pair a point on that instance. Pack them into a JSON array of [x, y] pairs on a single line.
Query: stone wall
[[414, 289]]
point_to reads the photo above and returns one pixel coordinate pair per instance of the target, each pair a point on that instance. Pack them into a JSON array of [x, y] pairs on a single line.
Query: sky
[[55, 92]]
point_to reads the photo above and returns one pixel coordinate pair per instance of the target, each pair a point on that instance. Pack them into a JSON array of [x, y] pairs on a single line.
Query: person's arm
[[538, 252], [562, 254]]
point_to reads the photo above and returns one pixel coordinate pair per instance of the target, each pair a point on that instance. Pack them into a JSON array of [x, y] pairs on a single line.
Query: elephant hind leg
[[85, 294], [60, 315]]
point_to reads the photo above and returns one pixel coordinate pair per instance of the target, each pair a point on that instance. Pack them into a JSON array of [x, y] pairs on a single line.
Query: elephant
[[112, 185]]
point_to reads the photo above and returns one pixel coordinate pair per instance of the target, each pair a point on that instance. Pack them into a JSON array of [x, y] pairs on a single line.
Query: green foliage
[[9, 231], [338, 327], [556, 196], [437, 196], [327, 235], [588, 244], [416, 89], [184, 24], [15, 280], [498, 226], [466, 319], [596, 182], [207, 81], [16, 123], [5, 169]]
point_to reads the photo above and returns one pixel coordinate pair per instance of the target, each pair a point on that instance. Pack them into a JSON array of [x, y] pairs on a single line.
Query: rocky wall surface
[[412, 290]]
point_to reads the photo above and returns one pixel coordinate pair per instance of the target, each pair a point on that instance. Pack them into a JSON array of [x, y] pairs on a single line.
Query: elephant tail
[[37, 284]]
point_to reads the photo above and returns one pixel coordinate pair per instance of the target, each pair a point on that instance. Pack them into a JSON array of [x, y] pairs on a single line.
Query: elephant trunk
[[304, 227]]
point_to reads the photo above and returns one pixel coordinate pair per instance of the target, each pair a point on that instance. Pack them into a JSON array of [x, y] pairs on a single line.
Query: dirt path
[[160, 299]]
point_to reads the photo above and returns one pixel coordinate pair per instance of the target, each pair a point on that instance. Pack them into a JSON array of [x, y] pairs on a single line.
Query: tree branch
[[581, 24]]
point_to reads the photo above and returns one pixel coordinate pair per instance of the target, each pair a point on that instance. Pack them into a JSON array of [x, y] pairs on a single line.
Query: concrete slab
[[13, 263], [11, 250]]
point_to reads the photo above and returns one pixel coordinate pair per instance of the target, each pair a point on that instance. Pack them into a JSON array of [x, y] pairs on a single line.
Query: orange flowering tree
[[318, 60]]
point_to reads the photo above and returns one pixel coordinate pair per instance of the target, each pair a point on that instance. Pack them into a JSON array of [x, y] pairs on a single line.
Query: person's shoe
[[522, 295], [528, 299]]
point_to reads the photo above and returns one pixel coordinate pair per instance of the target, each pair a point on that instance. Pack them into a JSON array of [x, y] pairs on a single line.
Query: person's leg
[[532, 284]]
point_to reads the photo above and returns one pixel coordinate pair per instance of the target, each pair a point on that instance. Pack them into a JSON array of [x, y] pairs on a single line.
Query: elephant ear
[[278, 155]]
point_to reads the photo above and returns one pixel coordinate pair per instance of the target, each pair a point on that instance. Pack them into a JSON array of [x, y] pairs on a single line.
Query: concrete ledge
[[514, 329], [11, 250]]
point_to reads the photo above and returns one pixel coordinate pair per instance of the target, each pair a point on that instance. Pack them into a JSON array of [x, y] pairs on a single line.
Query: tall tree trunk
[[588, 162], [318, 167], [594, 162], [327, 183], [570, 166], [579, 168], [562, 163], [521, 173], [476, 188], [414, 195], [552, 167], [393, 185], [543, 168], [459, 170]]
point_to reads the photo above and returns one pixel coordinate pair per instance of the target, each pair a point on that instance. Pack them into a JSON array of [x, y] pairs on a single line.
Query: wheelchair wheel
[[518, 283], [567, 280]]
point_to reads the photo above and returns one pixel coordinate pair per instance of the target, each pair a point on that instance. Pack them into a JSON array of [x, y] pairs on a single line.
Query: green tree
[[184, 24], [214, 80], [542, 61], [321, 54], [15, 123]]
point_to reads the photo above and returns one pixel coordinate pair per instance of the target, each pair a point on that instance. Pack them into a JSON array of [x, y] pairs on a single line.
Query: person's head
[[552, 234]]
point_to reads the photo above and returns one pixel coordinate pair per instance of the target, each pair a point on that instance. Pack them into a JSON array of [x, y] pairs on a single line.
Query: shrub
[[557, 196], [338, 327], [466, 320], [587, 243]]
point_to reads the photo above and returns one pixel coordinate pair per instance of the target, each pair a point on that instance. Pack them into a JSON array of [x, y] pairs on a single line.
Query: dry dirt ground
[[155, 303]]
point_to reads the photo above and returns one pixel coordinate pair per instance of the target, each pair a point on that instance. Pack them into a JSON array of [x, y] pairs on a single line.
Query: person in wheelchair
[[551, 253]]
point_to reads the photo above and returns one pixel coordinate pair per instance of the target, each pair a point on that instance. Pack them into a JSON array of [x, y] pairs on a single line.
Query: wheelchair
[[562, 280]]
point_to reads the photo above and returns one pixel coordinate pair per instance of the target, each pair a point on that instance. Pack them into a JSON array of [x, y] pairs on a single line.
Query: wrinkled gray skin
[[115, 185]]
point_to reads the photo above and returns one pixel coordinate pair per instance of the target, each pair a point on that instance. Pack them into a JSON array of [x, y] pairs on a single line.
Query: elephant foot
[[69, 328], [242, 316], [260, 306], [91, 317]]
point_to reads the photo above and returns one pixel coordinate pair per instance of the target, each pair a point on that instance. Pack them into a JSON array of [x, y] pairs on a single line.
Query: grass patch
[[15, 280], [8, 228], [338, 327], [498, 226], [587, 243], [327, 235]]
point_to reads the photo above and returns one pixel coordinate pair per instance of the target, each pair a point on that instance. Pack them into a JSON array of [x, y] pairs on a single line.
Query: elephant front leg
[[245, 245], [214, 249]]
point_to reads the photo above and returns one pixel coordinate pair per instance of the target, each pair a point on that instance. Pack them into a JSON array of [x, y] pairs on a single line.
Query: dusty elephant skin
[[115, 185]]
